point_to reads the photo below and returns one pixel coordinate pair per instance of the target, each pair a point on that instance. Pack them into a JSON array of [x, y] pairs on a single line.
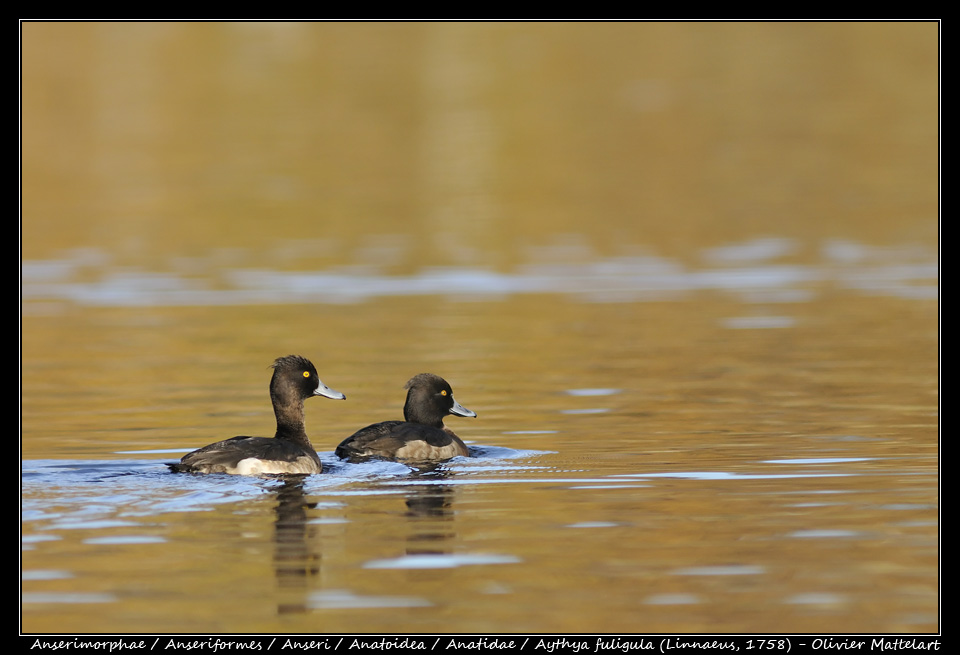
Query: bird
[[421, 436], [289, 451]]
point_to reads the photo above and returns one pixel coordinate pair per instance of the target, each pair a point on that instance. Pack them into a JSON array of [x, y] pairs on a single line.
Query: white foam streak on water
[[440, 561]]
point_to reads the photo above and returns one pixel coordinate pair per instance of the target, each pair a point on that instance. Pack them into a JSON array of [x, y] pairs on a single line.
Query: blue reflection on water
[[740, 268]]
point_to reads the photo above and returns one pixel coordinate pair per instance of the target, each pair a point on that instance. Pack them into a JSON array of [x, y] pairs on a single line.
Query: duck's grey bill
[[327, 392], [460, 410]]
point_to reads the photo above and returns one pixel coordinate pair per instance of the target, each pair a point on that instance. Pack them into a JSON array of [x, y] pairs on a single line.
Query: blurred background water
[[686, 274]]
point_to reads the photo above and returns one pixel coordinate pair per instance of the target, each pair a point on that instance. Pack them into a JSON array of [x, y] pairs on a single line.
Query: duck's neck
[[290, 420], [411, 415]]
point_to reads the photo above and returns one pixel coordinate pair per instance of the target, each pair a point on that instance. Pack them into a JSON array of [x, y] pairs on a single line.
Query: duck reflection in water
[[293, 560]]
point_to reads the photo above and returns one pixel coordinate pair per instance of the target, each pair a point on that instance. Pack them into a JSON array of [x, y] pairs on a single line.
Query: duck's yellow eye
[[443, 392], [306, 374]]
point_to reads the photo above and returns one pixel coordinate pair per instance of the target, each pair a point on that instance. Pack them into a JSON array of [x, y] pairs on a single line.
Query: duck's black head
[[295, 379], [429, 399]]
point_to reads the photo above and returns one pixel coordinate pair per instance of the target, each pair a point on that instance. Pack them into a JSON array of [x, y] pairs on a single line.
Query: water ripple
[[739, 268]]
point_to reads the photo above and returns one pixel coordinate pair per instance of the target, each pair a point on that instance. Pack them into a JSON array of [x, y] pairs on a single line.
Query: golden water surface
[[685, 273]]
